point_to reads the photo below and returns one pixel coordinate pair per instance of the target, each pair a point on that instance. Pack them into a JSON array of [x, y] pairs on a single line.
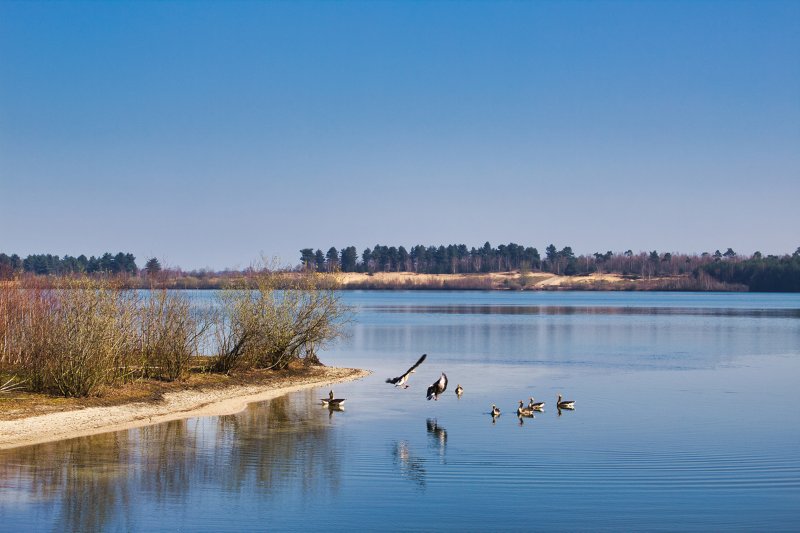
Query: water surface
[[685, 419]]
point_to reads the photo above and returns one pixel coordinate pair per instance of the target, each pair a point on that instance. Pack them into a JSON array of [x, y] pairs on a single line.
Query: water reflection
[[438, 436], [583, 310], [294, 465], [94, 483], [332, 408], [411, 466]]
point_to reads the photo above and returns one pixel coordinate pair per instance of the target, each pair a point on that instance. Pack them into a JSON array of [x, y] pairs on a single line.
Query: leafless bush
[[284, 318], [73, 336], [77, 338], [11, 384], [167, 335], [70, 335]]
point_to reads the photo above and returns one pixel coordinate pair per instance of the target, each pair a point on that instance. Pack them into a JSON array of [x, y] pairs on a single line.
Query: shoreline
[[176, 405]]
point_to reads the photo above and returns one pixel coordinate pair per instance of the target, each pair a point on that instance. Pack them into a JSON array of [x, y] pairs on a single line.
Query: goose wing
[[395, 381]]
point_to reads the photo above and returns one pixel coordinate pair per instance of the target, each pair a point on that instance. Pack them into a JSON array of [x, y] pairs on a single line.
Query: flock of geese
[[440, 385]]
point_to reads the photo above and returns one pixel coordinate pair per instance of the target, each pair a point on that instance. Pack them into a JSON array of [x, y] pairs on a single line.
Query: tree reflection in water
[[277, 443], [94, 483]]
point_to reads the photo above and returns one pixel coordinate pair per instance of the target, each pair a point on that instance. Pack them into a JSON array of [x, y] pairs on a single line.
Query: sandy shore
[[493, 280], [174, 406]]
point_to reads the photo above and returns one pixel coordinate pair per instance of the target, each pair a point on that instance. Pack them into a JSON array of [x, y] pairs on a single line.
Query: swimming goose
[[495, 411], [330, 401], [438, 387], [536, 406], [524, 411], [565, 404], [459, 390], [400, 381]]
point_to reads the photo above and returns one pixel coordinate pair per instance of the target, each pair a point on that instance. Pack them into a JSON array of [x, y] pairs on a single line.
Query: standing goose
[[330, 401], [400, 381], [565, 404], [438, 387], [524, 411], [536, 406]]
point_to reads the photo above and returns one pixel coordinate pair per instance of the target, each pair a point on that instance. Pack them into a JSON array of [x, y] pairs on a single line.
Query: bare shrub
[[11, 384], [167, 334], [283, 318], [84, 337], [70, 336]]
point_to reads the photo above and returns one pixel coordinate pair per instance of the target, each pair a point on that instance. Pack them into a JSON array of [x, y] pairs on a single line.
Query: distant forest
[[47, 264], [758, 273]]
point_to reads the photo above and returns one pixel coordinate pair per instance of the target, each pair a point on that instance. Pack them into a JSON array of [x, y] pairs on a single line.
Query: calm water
[[686, 419]]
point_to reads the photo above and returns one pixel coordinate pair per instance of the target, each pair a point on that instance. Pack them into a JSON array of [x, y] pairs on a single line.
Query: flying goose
[[400, 381], [330, 401], [536, 406], [524, 411], [565, 404], [438, 387]]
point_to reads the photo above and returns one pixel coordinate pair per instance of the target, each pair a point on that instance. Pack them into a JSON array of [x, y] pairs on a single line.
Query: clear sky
[[209, 133]]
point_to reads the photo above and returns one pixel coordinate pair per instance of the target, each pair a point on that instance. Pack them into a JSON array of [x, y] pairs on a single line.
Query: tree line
[[762, 274], [459, 259], [47, 264], [757, 272], [450, 259]]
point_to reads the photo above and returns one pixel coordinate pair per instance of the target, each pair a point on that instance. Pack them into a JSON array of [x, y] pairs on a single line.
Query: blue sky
[[210, 133]]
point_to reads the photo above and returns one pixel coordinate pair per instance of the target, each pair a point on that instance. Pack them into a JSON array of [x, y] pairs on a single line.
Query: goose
[[438, 387], [459, 390], [565, 404], [330, 401], [495, 411], [400, 381], [536, 406], [524, 411]]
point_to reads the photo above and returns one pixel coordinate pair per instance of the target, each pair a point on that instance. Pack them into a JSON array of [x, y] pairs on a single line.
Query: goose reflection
[[333, 408], [411, 466], [438, 435]]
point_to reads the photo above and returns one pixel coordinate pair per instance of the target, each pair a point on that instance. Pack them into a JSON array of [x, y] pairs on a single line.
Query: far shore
[[519, 281], [514, 280], [180, 404]]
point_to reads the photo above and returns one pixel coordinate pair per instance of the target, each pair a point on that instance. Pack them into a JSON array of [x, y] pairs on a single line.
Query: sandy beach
[[173, 406], [489, 281]]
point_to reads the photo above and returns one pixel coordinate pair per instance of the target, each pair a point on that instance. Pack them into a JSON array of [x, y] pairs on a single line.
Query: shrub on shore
[[168, 334], [71, 337], [74, 336], [272, 319]]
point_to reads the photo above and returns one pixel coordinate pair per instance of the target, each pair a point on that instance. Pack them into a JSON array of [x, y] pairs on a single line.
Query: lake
[[686, 418]]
